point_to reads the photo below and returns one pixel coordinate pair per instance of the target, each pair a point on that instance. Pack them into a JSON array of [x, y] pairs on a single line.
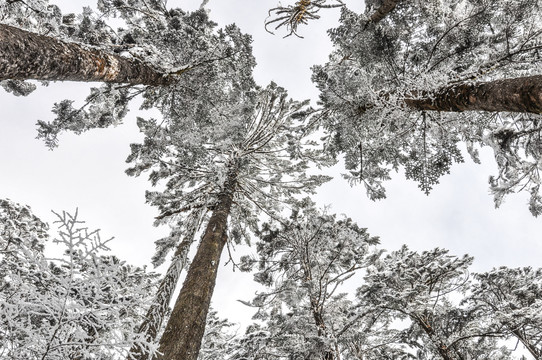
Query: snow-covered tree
[[247, 158], [511, 302], [423, 290], [81, 304], [304, 261], [408, 81], [158, 53]]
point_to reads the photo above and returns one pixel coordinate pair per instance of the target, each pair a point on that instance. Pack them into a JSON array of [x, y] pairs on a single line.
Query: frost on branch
[[104, 107], [395, 93], [510, 301], [80, 304], [304, 262], [422, 290], [18, 87]]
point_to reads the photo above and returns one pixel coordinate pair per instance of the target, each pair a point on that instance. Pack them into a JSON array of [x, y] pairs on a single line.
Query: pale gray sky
[[87, 171]]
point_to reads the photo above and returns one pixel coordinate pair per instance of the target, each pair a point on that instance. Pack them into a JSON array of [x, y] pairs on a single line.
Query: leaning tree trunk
[[182, 337], [536, 353], [384, 9], [511, 95], [25, 55], [155, 315]]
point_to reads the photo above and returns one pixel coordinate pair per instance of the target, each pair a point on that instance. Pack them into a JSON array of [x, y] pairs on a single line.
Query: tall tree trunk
[[514, 95], [155, 315], [25, 55], [182, 337], [384, 9], [321, 326]]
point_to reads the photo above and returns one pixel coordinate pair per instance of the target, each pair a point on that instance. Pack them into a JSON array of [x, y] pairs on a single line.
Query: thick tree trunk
[[512, 95], [182, 337], [25, 55], [157, 311], [384, 9]]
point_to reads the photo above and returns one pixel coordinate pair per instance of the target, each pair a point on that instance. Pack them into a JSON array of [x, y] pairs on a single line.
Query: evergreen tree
[[409, 81], [420, 289], [79, 305], [248, 158], [304, 261], [510, 300]]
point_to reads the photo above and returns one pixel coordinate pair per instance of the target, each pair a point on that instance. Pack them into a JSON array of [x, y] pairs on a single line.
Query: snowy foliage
[[409, 305], [420, 289], [413, 52], [304, 261], [79, 305], [258, 135], [511, 302], [219, 341]]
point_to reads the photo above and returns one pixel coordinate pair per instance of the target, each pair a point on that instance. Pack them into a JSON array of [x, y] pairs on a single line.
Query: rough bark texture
[[443, 350], [157, 312], [321, 326], [514, 95], [25, 55], [182, 337], [384, 9]]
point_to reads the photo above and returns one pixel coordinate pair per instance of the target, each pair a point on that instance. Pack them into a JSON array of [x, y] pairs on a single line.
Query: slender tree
[[249, 158], [304, 262], [152, 325]]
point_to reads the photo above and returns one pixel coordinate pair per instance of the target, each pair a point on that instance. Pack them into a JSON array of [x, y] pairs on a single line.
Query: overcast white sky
[[87, 171]]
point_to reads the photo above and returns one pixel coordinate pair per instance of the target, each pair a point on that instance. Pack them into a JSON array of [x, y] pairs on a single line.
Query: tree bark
[[157, 311], [25, 55], [321, 326], [182, 337], [384, 9], [442, 349], [511, 95]]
